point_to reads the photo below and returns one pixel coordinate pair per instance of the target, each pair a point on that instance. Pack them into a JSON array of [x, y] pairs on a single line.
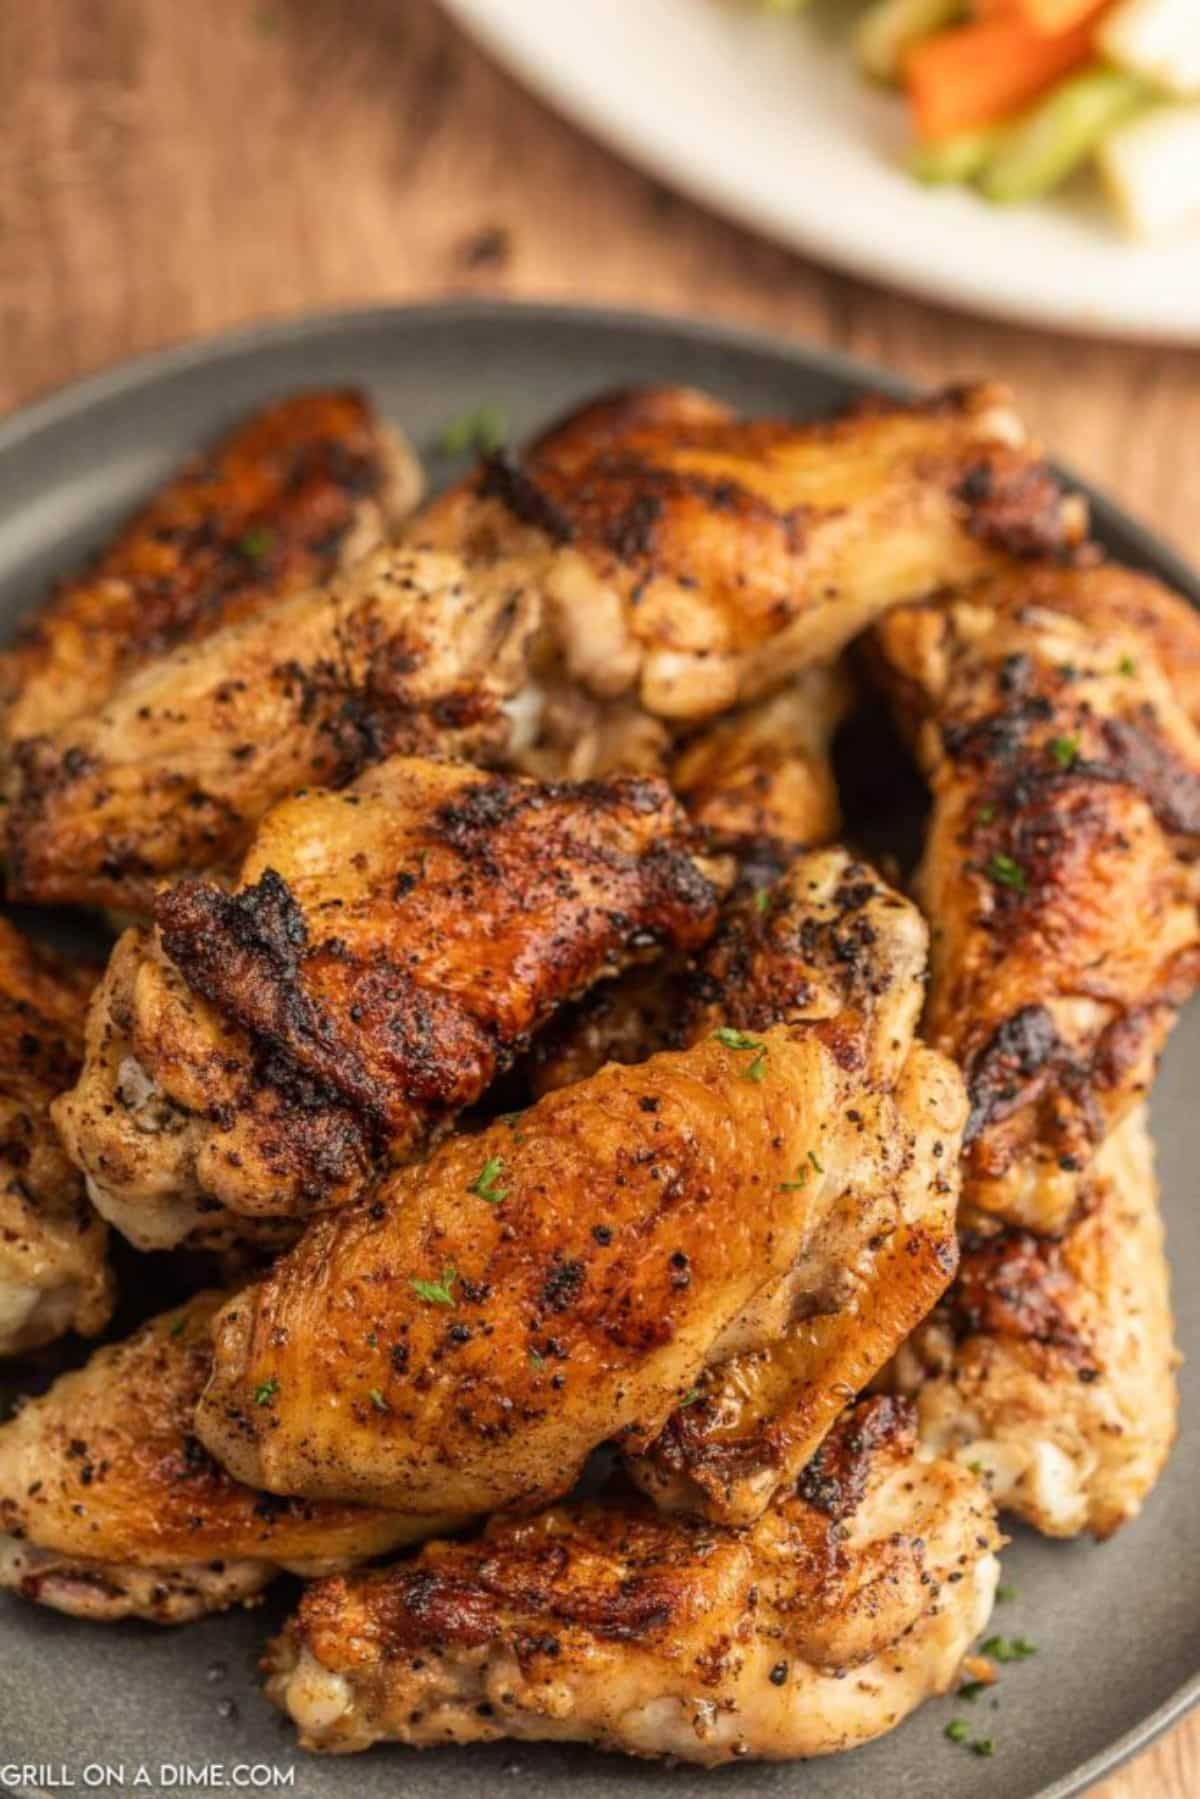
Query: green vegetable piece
[[437, 1293], [1037, 154], [890, 27], [957, 158]]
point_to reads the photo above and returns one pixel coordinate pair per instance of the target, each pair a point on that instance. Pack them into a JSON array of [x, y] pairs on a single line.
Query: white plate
[[766, 119]]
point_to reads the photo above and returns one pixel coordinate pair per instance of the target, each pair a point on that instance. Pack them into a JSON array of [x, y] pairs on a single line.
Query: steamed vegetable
[[1039, 152], [1159, 39], [958, 158], [891, 27], [977, 74], [1153, 169]]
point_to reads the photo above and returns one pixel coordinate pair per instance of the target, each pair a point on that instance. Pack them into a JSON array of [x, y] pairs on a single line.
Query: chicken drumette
[[850, 1602], [386, 952], [111, 1508], [54, 1274], [1060, 869]]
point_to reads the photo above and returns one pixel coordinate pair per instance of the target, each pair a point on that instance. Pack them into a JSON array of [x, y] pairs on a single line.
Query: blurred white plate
[[765, 118]]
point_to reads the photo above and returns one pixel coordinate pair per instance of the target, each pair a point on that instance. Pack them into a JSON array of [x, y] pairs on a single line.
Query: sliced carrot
[[976, 74]]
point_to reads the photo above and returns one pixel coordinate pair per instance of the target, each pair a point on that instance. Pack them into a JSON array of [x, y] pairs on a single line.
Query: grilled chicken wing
[[1059, 869], [1052, 1363], [309, 483], [174, 773], [386, 953], [54, 1274], [753, 1422], [696, 560], [848, 1604], [110, 1507], [564, 1278]]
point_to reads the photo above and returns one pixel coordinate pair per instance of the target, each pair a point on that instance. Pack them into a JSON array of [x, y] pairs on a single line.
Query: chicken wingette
[[693, 560], [851, 1601], [566, 1275], [1060, 868], [110, 1508], [305, 485], [173, 773], [54, 1274], [829, 927], [386, 952], [1051, 1364]]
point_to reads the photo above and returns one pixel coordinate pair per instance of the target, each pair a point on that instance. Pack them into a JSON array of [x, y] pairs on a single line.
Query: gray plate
[[1117, 1627]]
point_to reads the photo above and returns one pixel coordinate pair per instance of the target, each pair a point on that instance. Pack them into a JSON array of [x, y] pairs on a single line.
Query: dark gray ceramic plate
[[1117, 1627]]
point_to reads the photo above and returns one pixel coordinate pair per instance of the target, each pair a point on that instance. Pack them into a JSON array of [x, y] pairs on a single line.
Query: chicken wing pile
[[646, 1234]]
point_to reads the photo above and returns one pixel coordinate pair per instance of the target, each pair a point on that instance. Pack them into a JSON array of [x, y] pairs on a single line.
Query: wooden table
[[169, 167]]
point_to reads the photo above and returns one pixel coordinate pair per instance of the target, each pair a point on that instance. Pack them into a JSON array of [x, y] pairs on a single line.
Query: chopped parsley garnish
[[1065, 751], [762, 900], [801, 1180], [689, 1398], [437, 1293], [485, 429], [986, 814], [1009, 1649], [484, 1184], [958, 1730], [264, 1394], [1127, 666], [976, 1468], [537, 1360], [179, 1326], [257, 542], [983, 1746], [812, 1156], [377, 1400], [1005, 1593], [731, 1039], [971, 1689], [1005, 872]]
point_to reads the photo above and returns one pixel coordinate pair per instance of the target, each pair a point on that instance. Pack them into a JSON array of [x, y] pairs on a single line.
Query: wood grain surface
[[171, 167]]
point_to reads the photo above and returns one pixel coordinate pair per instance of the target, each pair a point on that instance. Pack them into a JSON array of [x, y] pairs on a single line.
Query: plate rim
[[571, 99], [75, 398]]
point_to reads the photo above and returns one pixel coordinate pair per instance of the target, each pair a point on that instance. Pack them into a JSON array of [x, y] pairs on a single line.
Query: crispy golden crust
[[1052, 1362], [175, 772], [610, 1623], [698, 560], [1058, 868], [54, 1275], [110, 1506], [275, 507], [385, 954]]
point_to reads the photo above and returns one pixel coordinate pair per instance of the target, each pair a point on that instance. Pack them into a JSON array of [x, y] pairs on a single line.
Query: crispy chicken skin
[[54, 1273], [696, 560], [110, 1508], [564, 1278], [848, 941], [173, 774], [848, 1604], [385, 953], [1059, 868], [1052, 1362], [305, 485]]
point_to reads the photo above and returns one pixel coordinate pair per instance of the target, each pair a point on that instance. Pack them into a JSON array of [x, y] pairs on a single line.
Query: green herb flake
[[484, 1185], [976, 1468], [958, 1730], [1127, 666], [757, 1070], [377, 1400], [800, 1182], [1005, 1593], [813, 1158], [1009, 1649], [983, 1746], [485, 430], [762, 901], [1006, 873], [179, 1326], [731, 1039], [537, 1360], [257, 542], [986, 814], [437, 1293], [264, 1394], [1065, 751], [971, 1689], [689, 1398]]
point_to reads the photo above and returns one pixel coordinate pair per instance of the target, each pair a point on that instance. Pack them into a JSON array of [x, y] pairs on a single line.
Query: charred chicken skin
[[1051, 1364], [174, 772], [110, 1508], [830, 936], [695, 560], [1059, 868], [564, 1277], [54, 1273], [304, 486], [385, 953], [850, 1601]]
